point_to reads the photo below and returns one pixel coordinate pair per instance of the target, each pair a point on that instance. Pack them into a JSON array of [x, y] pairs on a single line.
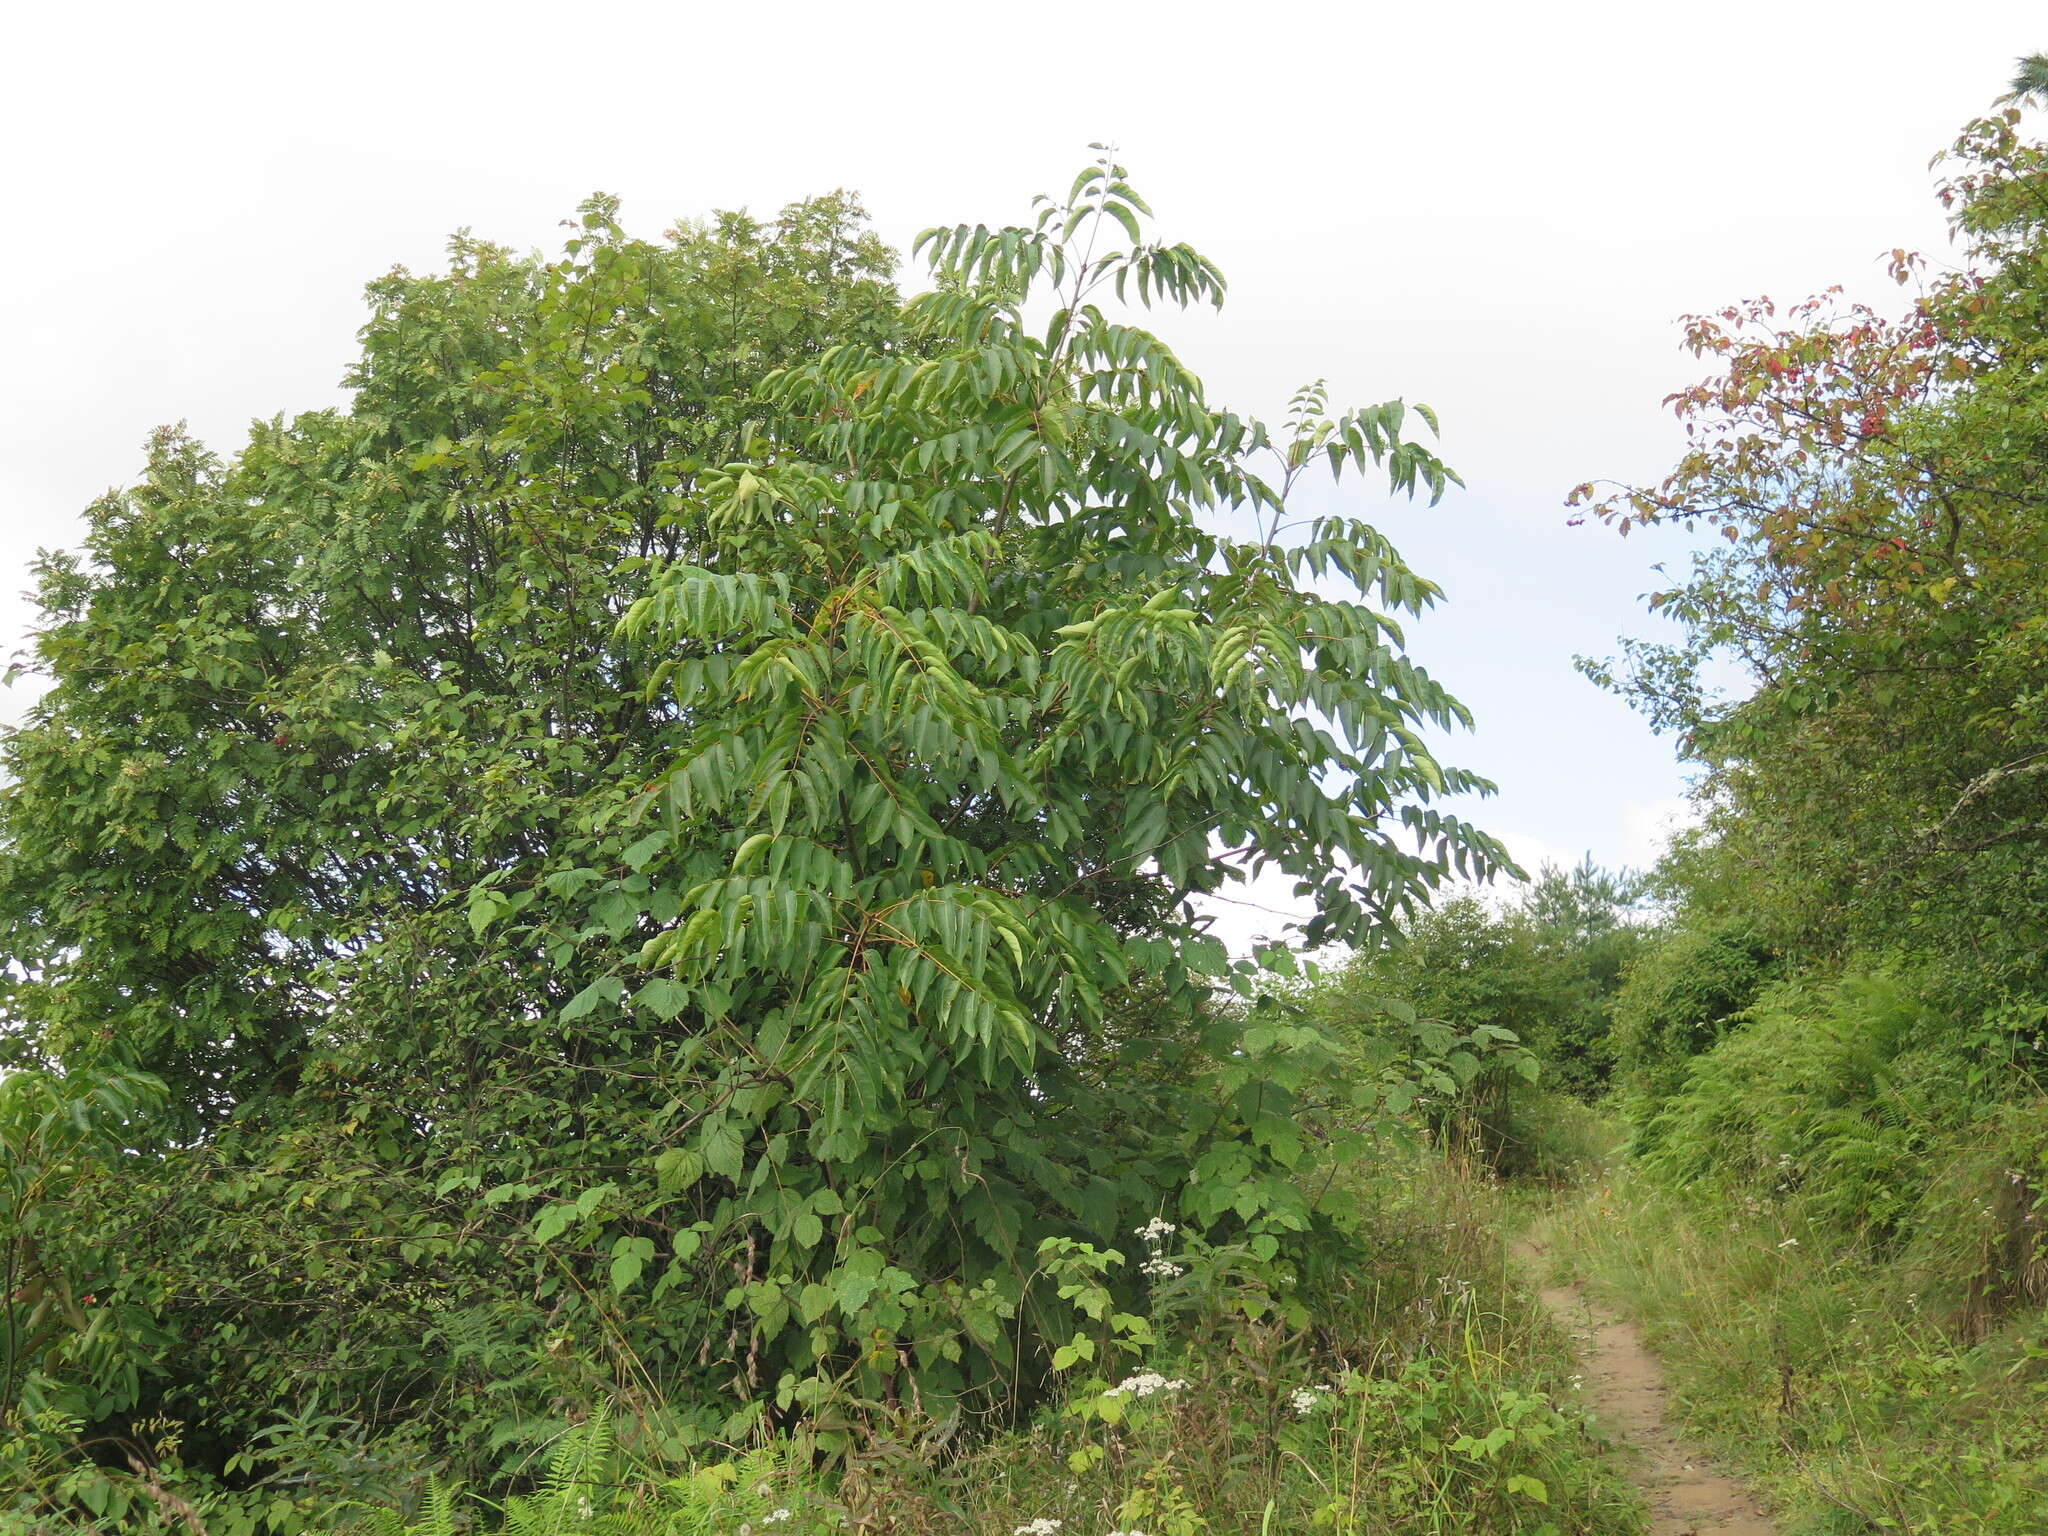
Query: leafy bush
[[652, 854], [1520, 997], [1802, 1095], [1882, 1121], [60, 1139], [1417, 1394], [1680, 995]]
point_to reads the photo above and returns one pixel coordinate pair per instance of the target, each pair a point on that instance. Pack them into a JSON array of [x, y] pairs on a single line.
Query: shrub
[[1680, 995]]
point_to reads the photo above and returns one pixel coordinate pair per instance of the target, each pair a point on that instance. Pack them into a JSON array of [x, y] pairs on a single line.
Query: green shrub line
[[1423, 1393]]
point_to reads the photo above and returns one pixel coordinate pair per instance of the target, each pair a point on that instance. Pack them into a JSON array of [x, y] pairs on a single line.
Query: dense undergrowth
[[1833, 1230], [1421, 1395]]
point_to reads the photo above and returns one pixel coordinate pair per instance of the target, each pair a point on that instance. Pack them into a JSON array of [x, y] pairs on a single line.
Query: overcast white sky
[[1500, 209]]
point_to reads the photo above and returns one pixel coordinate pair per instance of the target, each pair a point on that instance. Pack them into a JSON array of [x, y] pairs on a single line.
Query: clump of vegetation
[[648, 862], [1417, 1393], [1518, 1000]]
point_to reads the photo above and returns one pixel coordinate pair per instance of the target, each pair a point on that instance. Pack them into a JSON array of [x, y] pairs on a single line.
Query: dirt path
[[1626, 1391]]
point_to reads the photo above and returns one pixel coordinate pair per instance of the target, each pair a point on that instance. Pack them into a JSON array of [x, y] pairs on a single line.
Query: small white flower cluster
[[775, 1518], [1040, 1527], [1306, 1400], [1155, 1233], [584, 1508], [1144, 1384], [1133, 1531]]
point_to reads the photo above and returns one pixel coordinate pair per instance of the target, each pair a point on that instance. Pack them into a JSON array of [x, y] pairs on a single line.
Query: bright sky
[[1500, 209]]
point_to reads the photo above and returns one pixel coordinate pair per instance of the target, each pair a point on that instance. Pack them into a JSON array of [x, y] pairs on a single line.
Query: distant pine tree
[[2030, 81]]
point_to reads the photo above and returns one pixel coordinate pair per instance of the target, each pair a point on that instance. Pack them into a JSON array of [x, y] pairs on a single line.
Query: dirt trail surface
[[1626, 1391]]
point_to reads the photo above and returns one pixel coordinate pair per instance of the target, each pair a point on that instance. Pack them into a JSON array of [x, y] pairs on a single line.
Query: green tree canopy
[[629, 846], [1877, 480]]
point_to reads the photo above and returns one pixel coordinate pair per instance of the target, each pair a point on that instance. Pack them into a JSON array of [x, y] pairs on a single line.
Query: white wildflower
[[1155, 1231], [1144, 1384], [775, 1517], [584, 1508], [1040, 1527], [1306, 1400], [1162, 1269]]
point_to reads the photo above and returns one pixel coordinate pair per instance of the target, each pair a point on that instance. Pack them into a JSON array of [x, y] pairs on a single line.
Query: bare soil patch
[[1627, 1393]]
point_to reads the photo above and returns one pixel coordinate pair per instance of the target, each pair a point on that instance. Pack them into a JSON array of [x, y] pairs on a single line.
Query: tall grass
[[1422, 1395], [1428, 1397], [1853, 1384]]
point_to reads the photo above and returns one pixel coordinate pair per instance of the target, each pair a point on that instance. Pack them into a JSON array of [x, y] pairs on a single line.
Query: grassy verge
[[1854, 1397], [1427, 1396]]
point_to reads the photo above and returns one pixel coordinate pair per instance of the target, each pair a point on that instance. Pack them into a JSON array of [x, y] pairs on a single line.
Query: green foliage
[[1850, 1400], [2030, 78], [1587, 927], [1861, 1106], [1416, 1392], [1515, 1001], [591, 1489], [1808, 1094], [652, 854], [59, 1137], [1876, 784], [1681, 994]]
